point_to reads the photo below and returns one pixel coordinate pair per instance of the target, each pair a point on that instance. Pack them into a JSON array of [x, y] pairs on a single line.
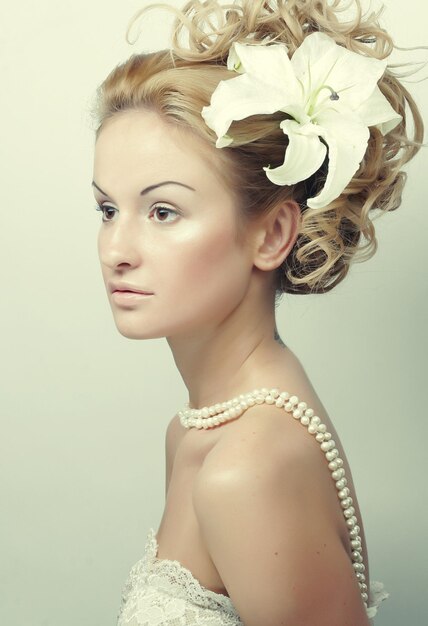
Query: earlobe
[[277, 235]]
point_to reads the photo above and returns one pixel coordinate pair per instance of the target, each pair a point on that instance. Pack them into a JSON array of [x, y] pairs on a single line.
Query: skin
[[213, 300]]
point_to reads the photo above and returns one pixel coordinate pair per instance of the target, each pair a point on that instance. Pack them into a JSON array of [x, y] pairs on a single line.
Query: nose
[[119, 245]]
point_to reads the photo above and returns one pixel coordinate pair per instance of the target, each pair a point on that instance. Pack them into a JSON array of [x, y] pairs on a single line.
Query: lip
[[127, 288], [129, 298]]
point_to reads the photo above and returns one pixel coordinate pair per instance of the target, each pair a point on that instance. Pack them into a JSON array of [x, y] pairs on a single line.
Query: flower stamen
[[314, 97]]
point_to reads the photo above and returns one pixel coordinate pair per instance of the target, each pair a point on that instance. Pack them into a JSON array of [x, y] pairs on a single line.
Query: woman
[[229, 172]]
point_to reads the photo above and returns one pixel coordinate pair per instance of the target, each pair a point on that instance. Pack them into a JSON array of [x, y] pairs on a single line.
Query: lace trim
[[377, 595], [182, 580]]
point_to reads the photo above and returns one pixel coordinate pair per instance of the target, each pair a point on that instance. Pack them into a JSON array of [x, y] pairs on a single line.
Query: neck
[[230, 357]]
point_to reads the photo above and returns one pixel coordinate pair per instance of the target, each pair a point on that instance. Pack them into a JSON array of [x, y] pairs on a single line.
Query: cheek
[[100, 249], [209, 275]]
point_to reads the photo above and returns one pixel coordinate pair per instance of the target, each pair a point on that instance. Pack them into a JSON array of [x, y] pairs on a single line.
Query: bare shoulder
[[267, 438], [264, 500]]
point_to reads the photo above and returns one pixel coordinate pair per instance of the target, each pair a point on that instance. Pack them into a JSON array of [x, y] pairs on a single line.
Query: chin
[[133, 333], [130, 331]]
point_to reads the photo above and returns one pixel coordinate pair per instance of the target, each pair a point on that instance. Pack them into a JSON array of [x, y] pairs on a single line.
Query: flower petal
[[266, 84], [268, 64], [347, 138], [304, 155], [320, 60], [233, 61], [377, 111], [241, 97]]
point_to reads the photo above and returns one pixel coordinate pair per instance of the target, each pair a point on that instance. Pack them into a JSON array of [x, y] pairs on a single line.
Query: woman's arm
[[268, 515]]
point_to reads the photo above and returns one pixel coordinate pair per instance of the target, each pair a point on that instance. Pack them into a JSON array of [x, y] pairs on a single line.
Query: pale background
[[84, 410]]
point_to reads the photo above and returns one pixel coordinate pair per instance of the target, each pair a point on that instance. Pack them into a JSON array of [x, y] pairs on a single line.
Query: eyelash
[[103, 207]]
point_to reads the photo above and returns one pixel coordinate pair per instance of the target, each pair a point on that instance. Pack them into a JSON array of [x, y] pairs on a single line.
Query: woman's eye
[[164, 209], [104, 208], [109, 211]]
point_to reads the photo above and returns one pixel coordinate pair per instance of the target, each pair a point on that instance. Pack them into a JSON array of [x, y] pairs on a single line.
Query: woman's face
[[170, 229]]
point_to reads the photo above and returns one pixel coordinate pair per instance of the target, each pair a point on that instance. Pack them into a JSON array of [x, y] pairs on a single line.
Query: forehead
[[142, 139]]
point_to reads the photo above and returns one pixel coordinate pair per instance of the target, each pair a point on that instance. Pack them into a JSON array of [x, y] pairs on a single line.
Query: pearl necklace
[[210, 416]]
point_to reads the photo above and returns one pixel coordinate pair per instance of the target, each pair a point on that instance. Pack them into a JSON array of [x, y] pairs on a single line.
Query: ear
[[276, 234]]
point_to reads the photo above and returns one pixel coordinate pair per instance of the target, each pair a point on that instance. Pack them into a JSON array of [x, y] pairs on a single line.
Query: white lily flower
[[328, 92]]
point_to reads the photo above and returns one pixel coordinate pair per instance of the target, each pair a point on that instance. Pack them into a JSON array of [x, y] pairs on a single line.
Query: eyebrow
[[150, 188]]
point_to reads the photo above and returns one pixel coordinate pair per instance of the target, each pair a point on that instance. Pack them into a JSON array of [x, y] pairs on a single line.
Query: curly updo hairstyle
[[177, 83]]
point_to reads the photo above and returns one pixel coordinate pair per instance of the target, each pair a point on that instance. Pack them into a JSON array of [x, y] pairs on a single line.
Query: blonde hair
[[179, 82]]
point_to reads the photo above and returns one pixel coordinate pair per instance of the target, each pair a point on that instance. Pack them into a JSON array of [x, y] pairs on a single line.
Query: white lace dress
[[161, 592]]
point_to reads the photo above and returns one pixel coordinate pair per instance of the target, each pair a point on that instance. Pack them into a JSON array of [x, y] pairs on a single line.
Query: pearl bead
[[339, 473], [310, 414], [315, 420], [332, 454]]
